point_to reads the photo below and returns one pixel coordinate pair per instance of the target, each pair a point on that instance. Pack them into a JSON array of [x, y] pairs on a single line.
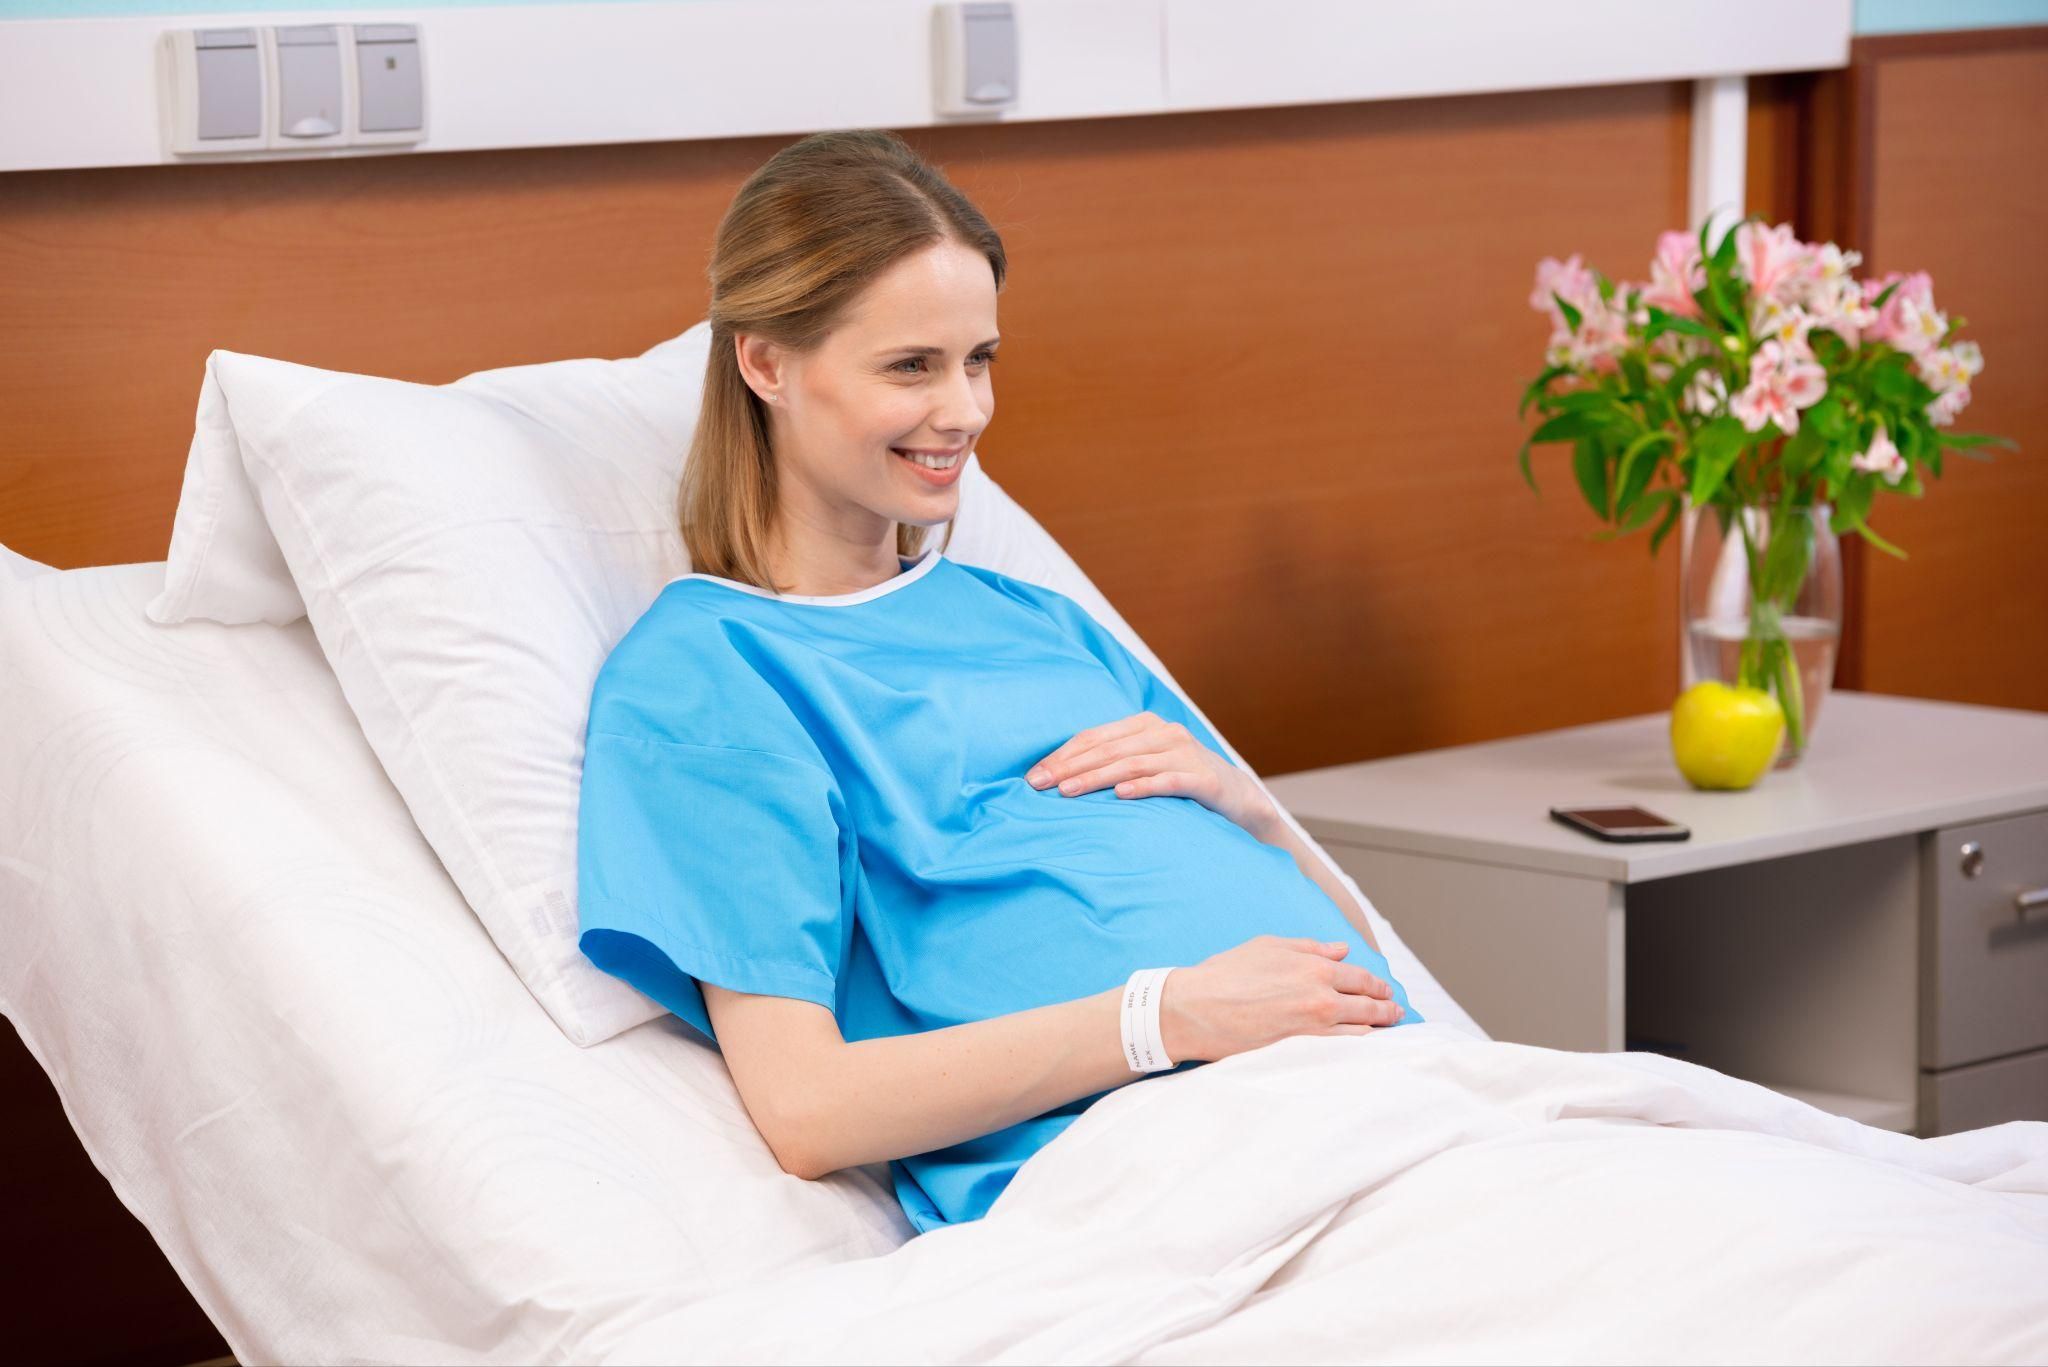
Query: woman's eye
[[987, 357]]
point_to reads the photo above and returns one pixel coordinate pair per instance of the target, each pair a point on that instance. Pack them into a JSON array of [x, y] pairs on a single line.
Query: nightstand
[[1867, 931]]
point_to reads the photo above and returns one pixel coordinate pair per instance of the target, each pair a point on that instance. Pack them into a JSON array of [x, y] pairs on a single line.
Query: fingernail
[[1036, 778]]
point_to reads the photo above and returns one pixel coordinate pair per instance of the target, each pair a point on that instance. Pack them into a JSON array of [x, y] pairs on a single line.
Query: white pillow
[[468, 555], [224, 564]]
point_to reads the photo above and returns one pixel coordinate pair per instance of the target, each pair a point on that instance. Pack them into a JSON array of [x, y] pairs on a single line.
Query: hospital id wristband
[[1144, 1047]]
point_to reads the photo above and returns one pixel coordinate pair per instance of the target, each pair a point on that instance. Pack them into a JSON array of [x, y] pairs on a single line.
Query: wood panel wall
[[1957, 155], [1928, 153], [1260, 374]]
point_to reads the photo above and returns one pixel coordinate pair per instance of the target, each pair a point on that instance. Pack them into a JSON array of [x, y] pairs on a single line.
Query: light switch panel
[[991, 49], [390, 86], [974, 57], [228, 63], [213, 92], [311, 111]]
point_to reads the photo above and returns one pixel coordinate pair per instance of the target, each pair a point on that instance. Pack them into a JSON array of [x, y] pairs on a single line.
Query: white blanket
[[1418, 1195]]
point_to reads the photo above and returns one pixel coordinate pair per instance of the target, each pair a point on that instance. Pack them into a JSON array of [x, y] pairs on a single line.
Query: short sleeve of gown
[[709, 863]]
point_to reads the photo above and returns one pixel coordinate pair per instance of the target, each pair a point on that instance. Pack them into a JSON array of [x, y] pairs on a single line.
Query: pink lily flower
[[1570, 279], [1882, 458], [1675, 272], [1780, 384], [1902, 321], [1779, 265]]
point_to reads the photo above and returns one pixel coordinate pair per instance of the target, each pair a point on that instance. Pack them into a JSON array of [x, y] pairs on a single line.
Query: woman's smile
[[938, 471]]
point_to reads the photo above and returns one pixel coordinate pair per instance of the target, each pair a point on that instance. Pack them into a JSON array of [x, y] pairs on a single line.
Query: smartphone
[[1621, 823]]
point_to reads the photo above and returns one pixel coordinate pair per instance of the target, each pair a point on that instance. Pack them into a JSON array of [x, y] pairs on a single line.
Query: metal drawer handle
[[2026, 901]]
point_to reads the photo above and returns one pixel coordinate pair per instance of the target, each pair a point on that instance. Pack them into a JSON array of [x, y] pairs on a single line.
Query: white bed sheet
[[1422, 1196], [294, 1053]]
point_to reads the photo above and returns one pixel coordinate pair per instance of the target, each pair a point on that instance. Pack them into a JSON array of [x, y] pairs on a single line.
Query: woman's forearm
[[1275, 830], [884, 1098]]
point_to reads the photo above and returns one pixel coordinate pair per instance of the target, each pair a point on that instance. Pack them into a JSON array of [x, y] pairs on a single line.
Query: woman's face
[[908, 369]]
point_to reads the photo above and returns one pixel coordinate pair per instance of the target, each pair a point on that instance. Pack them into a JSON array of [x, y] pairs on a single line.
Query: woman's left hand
[[1144, 755]]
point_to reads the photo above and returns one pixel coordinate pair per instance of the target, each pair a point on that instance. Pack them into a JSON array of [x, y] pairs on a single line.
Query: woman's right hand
[[1266, 989]]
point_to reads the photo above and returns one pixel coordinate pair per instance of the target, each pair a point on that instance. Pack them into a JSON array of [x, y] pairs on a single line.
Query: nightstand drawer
[[1985, 956], [1985, 1094]]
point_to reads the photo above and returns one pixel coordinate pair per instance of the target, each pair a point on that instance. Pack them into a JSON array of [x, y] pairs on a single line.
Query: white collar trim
[[912, 570]]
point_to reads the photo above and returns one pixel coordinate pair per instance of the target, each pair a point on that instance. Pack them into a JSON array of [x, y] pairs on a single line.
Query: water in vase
[[1714, 651]]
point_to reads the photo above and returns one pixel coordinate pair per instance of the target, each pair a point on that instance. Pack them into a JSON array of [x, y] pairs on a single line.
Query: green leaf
[[1874, 539], [1802, 451], [1957, 441], [1910, 438], [1885, 294], [1671, 515], [1828, 348], [1538, 385], [1646, 508], [1568, 427], [1724, 251], [1852, 503], [1894, 384], [1827, 418], [1571, 315], [1632, 370], [1714, 449], [1587, 401], [1590, 466], [1633, 473], [1662, 322], [1721, 293], [1522, 459]]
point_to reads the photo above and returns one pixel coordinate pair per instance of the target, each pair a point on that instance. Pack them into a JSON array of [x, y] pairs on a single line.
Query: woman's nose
[[963, 410]]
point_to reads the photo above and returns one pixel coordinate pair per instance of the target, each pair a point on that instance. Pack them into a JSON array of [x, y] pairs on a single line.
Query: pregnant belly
[[1054, 897]]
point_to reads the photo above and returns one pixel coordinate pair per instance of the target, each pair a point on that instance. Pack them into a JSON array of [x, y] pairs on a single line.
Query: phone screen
[[1620, 818]]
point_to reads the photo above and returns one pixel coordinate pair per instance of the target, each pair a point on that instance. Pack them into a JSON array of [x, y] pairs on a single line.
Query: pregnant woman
[[909, 839]]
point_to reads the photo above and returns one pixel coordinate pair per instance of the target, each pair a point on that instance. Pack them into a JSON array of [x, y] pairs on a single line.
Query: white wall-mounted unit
[[78, 92], [289, 90]]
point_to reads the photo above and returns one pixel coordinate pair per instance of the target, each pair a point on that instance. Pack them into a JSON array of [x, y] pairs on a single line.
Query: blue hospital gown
[[824, 798]]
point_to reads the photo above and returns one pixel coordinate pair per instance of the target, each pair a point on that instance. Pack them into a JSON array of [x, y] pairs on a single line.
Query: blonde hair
[[812, 228]]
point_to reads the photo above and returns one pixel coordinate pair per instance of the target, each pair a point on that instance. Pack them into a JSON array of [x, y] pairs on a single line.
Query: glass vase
[[1760, 605]]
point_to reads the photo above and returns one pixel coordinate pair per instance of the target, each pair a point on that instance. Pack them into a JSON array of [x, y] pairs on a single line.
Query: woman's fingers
[[1056, 764], [1352, 978], [1354, 1009], [1303, 943], [1113, 770]]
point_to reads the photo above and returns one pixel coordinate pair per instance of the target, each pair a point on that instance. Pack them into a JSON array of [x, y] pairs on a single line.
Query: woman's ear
[[761, 364]]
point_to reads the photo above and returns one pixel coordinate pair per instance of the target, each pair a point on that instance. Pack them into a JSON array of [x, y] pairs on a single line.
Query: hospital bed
[[292, 1048]]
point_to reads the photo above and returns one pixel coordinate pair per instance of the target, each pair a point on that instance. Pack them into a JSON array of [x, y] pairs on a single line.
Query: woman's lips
[[936, 478]]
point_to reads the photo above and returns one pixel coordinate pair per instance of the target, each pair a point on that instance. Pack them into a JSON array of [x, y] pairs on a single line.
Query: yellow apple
[[1725, 737]]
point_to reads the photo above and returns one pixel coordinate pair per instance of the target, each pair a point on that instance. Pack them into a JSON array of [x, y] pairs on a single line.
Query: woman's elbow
[[791, 1138], [792, 1158]]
